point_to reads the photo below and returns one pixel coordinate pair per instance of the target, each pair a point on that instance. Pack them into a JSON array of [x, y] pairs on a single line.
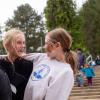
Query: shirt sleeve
[[3, 56], [92, 70], [5, 89], [34, 57], [60, 88]]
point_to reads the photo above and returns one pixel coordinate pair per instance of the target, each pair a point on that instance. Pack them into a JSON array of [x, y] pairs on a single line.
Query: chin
[[50, 56]]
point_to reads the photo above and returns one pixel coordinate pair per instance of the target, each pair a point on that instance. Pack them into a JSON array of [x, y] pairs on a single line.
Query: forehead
[[19, 37], [47, 38]]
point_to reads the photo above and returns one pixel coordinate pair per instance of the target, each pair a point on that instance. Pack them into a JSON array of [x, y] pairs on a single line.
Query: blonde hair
[[62, 36], [10, 36]]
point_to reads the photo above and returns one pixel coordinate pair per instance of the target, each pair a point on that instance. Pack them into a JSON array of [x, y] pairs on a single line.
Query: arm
[[5, 90], [92, 70], [3, 56], [34, 57], [60, 89]]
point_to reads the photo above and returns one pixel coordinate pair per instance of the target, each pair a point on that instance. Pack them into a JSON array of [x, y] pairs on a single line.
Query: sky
[[7, 7]]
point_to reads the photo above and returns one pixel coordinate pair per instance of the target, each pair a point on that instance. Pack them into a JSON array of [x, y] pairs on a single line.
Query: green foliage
[[78, 36], [91, 25], [62, 13], [59, 13], [2, 50], [26, 19]]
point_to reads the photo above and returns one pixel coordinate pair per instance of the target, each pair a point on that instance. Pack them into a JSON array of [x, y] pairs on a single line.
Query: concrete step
[[85, 87], [94, 83], [85, 93], [88, 99], [85, 97], [86, 90], [96, 77]]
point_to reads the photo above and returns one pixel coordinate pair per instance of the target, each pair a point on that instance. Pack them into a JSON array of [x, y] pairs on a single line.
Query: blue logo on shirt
[[40, 72]]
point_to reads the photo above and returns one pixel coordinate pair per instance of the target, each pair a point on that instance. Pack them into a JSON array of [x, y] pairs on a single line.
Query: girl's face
[[86, 66], [17, 46], [20, 44], [50, 47]]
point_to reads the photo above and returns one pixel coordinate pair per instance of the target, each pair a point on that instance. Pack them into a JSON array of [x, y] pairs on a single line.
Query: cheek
[[16, 48], [48, 48]]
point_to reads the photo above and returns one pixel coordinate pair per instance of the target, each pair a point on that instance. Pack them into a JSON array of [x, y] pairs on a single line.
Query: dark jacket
[[5, 90], [81, 60], [18, 73]]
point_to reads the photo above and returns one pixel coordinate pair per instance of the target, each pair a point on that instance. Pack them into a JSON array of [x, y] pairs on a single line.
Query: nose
[[44, 46], [23, 46]]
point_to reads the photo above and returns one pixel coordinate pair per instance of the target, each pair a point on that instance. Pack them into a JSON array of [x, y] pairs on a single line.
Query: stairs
[[86, 93]]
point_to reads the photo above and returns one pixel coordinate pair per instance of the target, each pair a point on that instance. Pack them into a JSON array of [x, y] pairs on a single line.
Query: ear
[[8, 46], [58, 44]]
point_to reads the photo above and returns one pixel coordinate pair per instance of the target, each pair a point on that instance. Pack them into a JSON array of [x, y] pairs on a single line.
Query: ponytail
[[71, 58]]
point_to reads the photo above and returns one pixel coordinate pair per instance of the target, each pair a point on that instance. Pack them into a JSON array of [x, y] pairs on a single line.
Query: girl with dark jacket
[[17, 68]]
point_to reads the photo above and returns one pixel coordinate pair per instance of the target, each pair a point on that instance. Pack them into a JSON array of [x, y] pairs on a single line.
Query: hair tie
[[68, 50]]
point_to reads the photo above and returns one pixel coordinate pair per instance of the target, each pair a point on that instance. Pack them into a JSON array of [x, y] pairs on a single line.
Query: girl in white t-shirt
[[52, 77]]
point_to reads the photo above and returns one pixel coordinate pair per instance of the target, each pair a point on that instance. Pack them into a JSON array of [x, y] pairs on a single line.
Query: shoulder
[[3, 56], [23, 62], [5, 65], [3, 60], [64, 68], [1, 74], [34, 56]]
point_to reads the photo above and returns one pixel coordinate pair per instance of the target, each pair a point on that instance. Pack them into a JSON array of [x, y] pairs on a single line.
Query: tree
[[78, 36], [62, 13], [2, 51], [91, 25], [26, 19], [59, 13]]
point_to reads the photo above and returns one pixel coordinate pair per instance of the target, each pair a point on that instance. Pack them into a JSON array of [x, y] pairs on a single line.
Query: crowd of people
[[85, 70], [37, 76], [17, 68]]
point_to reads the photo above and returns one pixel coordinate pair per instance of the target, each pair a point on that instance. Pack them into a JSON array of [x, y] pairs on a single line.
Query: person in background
[[89, 74], [97, 60], [93, 64], [53, 74], [17, 68], [81, 58], [5, 89], [80, 78]]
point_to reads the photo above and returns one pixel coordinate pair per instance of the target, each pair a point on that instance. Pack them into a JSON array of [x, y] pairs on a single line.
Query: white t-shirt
[[50, 79]]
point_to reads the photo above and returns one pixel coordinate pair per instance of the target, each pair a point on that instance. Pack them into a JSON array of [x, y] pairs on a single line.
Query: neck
[[11, 57], [61, 57]]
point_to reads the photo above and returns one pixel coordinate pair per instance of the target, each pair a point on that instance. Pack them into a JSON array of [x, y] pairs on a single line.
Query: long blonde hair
[[9, 36]]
